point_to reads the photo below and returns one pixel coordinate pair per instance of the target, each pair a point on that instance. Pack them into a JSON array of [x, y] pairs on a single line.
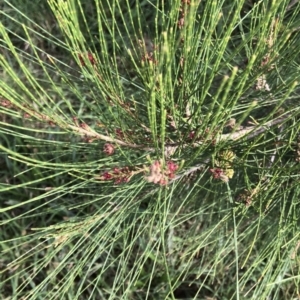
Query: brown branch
[[86, 131], [248, 132], [253, 131]]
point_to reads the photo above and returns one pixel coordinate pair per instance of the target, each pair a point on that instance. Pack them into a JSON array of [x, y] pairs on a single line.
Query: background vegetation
[[149, 150]]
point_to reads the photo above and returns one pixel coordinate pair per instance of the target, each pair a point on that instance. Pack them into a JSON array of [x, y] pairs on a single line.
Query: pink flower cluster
[[218, 173], [160, 173], [119, 176], [109, 149]]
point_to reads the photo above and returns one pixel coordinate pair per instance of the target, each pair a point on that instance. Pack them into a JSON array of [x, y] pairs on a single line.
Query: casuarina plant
[[149, 149]]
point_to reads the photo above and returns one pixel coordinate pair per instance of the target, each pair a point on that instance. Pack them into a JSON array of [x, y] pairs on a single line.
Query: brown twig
[[248, 132], [86, 131]]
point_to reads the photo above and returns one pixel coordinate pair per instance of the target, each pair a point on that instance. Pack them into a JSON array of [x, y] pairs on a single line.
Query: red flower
[[172, 167], [90, 58], [109, 149], [191, 135], [106, 176]]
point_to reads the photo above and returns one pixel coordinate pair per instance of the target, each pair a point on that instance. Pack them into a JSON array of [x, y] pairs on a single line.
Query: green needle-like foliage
[[149, 149]]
